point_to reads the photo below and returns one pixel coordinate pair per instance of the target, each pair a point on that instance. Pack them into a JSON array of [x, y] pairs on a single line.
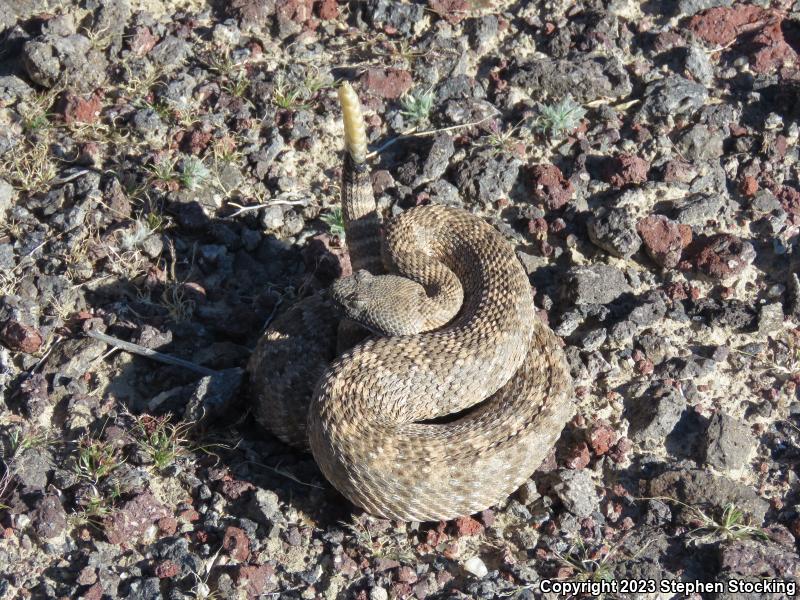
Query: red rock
[[722, 255], [93, 593], [20, 338], [790, 201], [466, 526], [168, 525], [133, 519], [406, 575], [77, 109], [676, 291], [387, 83], [166, 569], [663, 239], [748, 186], [255, 580], [87, 576], [720, 26], [328, 10], [676, 171], [195, 141], [601, 437], [452, 11], [760, 33], [578, 456], [142, 41], [299, 11], [537, 227], [620, 450], [645, 366], [625, 169], [234, 488], [189, 515], [236, 543], [549, 187], [773, 51], [668, 40]]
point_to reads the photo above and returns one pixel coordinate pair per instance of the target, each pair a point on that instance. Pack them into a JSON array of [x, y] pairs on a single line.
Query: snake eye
[[355, 302]]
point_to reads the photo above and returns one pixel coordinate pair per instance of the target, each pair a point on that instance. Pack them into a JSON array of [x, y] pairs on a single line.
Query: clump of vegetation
[[162, 441], [194, 173], [588, 564], [731, 525], [297, 96], [417, 107], [335, 222], [96, 459], [557, 119]]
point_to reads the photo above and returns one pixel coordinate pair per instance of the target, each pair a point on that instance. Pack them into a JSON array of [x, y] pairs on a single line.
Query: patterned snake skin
[[460, 397]]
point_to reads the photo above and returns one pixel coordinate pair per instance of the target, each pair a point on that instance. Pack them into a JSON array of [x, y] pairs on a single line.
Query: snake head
[[384, 304], [352, 294]]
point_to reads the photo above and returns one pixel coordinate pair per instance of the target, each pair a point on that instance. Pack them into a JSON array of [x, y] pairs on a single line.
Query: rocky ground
[[168, 177]]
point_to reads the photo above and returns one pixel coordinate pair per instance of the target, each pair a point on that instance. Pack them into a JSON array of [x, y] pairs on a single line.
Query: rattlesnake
[[461, 394]]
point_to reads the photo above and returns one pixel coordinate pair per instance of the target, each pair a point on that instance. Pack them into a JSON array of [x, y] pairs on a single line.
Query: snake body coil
[[454, 411]]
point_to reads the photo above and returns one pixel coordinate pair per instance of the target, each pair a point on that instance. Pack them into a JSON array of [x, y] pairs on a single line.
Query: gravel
[[169, 175]]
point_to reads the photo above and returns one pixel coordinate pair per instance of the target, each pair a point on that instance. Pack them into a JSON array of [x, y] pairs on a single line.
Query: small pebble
[[476, 567]]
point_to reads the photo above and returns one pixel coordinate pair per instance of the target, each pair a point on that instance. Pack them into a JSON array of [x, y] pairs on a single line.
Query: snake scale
[[460, 390]]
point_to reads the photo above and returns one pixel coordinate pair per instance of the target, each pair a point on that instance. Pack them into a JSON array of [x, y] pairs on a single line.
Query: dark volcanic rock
[[487, 176], [614, 230], [699, 488], [49, 518], [654, 415], [594, 284], [729, 442], [756, 560], [670, 97], [398, 17], [586, 78], [52, 59]]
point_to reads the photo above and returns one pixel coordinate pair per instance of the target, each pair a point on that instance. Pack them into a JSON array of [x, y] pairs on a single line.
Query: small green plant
[[238, 86], [95, 507], [21, 442], [499, 141], [417, 107], [335, 222], [587, 565], [132, 238], [557, 119], [289, 97], [163, 170], [96, 459], [731, 525], [5, 485], [162, 441], [194, 173], [155, 221]]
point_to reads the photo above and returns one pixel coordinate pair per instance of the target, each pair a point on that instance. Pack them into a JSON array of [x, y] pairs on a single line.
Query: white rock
[[475, 566], [378, 593]]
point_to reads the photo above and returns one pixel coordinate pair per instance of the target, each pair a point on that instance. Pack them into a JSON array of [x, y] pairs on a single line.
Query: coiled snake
[[458, 395]]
